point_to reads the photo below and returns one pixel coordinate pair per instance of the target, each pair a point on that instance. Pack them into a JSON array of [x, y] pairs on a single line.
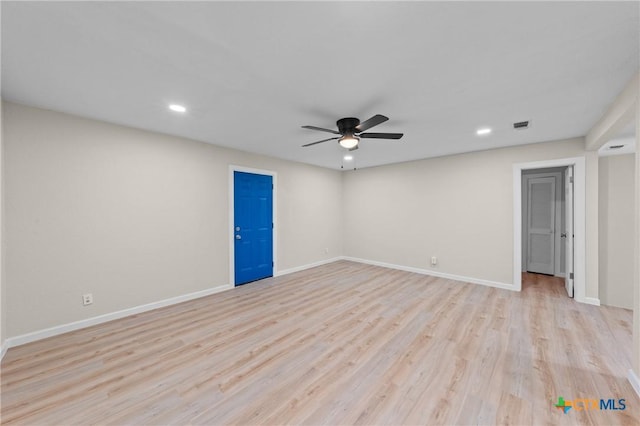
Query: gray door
[[540, 225]]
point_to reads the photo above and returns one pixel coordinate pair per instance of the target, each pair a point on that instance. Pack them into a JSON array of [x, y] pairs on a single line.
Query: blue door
[[253, 218]]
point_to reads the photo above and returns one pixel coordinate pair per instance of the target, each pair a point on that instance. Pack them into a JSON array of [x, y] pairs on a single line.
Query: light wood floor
[[343, 343]]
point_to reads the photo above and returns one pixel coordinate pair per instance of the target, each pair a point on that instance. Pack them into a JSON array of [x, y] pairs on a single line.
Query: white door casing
[[568, 231], [579, 222]]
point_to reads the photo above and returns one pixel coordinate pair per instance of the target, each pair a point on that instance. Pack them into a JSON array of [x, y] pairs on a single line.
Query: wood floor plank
[[343, 343]]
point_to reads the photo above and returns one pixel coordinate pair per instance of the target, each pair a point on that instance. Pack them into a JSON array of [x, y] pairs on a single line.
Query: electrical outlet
[[326, 250], [434, 260], [87, 299]]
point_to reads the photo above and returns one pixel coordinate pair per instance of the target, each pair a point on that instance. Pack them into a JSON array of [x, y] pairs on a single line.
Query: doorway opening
[[549, 231], [547, 224]]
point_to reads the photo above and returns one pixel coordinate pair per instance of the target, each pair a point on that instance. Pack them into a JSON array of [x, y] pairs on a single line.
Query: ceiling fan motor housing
[[347, 125]]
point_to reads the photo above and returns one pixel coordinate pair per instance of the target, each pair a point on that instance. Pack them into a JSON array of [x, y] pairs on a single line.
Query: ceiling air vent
[[521, 125], [616, 146]]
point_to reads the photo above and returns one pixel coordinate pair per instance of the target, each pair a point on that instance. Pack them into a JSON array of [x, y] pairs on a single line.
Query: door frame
[[569, 282], [579, 220], [274, 175]]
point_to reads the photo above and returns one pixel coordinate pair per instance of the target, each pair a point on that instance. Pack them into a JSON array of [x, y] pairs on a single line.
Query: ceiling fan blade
[[373, 121], [323, 140], [321, 129], [381, 135]]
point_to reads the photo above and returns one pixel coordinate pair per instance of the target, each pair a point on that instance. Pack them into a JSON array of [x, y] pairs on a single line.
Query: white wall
[[616, 199], [634, 375], [3, 322], [134, 217], [458, 208]]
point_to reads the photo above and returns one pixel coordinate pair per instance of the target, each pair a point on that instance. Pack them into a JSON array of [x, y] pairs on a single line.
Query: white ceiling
[[251, 74]]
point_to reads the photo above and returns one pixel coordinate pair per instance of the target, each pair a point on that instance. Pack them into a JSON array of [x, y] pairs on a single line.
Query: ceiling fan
[[350, 130]]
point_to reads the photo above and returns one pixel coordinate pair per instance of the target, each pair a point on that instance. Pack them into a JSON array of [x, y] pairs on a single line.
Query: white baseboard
[[635, 381], [5, 346], [307, 266], [434, 273], [591, 301], [76, 325], [65, 328]]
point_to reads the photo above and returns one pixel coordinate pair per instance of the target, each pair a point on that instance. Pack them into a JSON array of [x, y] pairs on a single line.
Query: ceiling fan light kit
[[350, 130], [349, 141]]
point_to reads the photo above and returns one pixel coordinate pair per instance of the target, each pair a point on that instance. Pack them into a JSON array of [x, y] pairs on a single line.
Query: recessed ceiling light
[[177, 108], [348, 157], [483, 131]]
